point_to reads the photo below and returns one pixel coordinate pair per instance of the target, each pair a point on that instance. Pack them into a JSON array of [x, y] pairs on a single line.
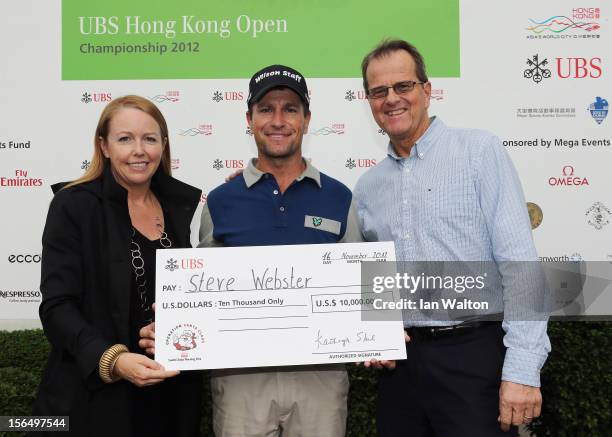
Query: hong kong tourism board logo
[[185, 338], [332, 129], [203, 129], [582, 23], [167, 97], [599, 109]]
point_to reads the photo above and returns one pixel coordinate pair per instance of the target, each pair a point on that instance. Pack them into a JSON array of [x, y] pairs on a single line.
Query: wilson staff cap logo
[[277, 76]]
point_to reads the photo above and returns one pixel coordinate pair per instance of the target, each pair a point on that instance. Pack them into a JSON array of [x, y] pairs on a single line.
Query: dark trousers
[[447, 387]]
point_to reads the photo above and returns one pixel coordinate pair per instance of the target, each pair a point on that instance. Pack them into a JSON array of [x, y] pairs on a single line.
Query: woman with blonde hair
[[98, 283]]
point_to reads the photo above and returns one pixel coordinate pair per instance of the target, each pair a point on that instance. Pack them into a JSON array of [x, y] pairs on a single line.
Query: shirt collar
[[424, 143], [252, 174]]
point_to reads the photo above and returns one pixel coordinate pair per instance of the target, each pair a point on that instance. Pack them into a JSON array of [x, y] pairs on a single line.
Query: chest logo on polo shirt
[[322, 224]]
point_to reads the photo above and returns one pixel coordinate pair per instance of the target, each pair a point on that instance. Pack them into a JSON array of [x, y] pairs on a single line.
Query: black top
[[140, 317]]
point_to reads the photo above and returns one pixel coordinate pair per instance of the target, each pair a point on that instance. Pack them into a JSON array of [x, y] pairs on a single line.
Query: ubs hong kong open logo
[[184, 338], [599, 109]]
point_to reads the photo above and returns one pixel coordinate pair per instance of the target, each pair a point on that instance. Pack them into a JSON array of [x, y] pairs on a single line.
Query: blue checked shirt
[[457, 197]]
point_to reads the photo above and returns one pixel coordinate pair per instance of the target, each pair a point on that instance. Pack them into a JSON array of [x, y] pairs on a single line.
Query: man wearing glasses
[[445, 194]]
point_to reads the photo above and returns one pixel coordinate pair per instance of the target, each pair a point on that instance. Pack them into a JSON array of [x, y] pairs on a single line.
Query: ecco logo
[[24, 259]]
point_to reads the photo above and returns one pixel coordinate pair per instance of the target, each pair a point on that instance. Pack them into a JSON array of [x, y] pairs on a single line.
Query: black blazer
[[85, 283]]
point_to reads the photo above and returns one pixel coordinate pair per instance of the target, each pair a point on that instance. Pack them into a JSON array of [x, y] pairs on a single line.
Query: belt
[[425, 333]]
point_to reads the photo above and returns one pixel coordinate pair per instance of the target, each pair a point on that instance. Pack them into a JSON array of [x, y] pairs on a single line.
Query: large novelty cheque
[[270, 306]]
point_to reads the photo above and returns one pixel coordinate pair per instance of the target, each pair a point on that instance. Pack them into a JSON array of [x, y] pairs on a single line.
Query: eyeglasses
[[400, 88]]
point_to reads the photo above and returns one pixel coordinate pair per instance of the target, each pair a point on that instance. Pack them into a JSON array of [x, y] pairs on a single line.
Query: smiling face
[[134, 145], [403, 117], [278, 124]]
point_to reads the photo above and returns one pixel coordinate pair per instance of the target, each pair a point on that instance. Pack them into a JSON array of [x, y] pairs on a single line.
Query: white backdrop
[[56, 119]]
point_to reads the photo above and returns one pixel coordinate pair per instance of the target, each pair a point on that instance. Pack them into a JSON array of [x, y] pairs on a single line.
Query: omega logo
[[568, 170], [568, 178]]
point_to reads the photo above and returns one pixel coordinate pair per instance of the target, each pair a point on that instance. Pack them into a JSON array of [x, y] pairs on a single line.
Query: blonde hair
[[96, 168]]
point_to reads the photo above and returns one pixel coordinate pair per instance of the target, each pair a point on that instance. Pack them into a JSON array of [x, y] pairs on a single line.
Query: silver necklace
[[163, 237], [138, 264]]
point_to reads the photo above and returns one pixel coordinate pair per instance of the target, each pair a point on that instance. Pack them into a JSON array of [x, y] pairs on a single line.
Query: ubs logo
[[351, 95], [218, 164], [579, 68], [566, 68], [359, 163], [536, 69], [219, 96], [192, 263], [171, 265], [88, 97]]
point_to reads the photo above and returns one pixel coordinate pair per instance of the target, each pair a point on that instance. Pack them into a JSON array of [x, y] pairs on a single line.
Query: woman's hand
[[141, 370], [147, 338]]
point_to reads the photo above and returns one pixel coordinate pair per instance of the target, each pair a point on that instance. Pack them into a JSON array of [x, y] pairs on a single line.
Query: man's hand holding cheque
[[383, 364]]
